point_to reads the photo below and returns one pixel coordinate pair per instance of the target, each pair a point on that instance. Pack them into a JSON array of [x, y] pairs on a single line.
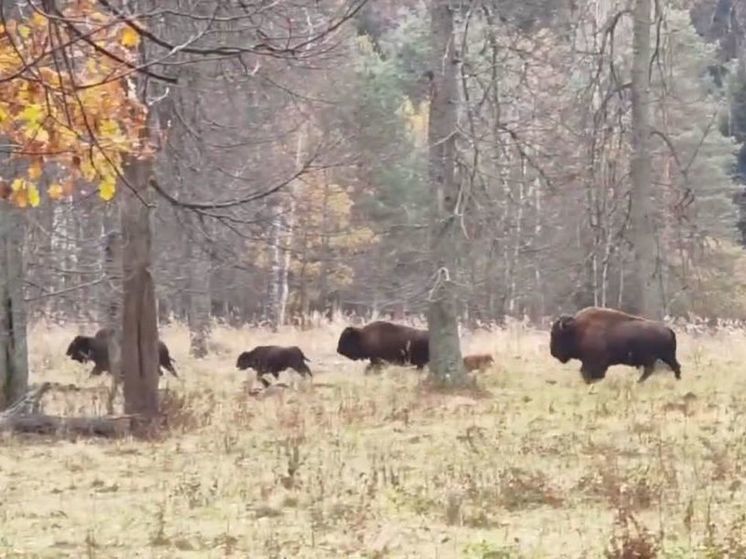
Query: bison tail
[[304, 357]]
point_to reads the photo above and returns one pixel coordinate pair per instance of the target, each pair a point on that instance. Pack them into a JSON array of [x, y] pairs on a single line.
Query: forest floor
[[377, 466]]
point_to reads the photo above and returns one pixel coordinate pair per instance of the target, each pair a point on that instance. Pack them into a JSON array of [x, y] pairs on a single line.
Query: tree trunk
[[110, 300], [139, 320], [445, 353], [13, 351], [199, 301], [644, 297], [276, 268]]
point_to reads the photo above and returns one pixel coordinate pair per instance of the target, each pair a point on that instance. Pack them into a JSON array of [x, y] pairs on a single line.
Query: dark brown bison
[[385, 342], [479, 361], [600, 338], [96, 349], [273, 359]]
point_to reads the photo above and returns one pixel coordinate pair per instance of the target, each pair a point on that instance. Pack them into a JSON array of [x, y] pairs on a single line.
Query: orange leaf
[[130, 37], [55, 191], [35, 169], [68, 187]]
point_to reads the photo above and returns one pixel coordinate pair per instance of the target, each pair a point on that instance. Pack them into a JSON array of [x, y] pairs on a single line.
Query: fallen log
[[109, 427], [24, 417]]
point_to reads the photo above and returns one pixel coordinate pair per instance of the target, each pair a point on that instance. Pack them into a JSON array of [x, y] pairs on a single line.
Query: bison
[[479, 361], [273, 359], [385, 342], [96, 349], [600, 338]]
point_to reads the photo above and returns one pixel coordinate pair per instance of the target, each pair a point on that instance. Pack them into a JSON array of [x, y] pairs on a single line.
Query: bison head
[[562, 342], [245, 360], [80, 349], [349, 343]]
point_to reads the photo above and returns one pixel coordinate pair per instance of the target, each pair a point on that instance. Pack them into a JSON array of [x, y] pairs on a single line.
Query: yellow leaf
[[34, 131], [24, 31], [107, 188], [24, 193], [38, 19], [109, 130], [33, 113], [32, 194], [87, 169], [35, 169], [18, 185], [3, 114], [55, 191], [130, 37]]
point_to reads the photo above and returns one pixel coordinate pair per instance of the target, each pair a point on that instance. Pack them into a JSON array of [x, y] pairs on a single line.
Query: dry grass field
[[377, 466]]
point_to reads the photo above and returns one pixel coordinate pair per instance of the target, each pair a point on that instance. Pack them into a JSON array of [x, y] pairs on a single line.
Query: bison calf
[[273, 359], [96, 349], [600, 338], [479, 361], [385, 342]]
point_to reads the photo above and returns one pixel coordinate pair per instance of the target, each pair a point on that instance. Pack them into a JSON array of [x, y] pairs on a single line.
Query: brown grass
[[373, 466]]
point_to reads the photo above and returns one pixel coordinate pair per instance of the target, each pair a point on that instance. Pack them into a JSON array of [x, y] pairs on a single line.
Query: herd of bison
[[597, 337]]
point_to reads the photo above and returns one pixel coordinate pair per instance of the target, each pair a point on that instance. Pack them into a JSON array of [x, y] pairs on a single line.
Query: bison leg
[[96, 371], [647, 370], [674, 364], [303, 370], [263, 380], [592, 372], [373, 366]]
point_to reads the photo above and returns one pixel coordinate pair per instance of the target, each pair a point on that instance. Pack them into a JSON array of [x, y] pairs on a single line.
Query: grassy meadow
[[378, 466]]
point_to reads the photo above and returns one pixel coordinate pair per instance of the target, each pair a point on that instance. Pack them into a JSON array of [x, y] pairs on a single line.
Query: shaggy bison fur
[[385, 342], [273, 359], [479, 361], [96, 349], [600, 338]]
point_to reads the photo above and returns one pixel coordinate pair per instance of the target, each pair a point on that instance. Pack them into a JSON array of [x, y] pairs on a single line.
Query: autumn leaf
[[130, 37], [32, 193], [32, 114], [36, 114], [38, 19], [35, 169], [107, 188], [24, 193], [68, 187], [18, 184], [55, 191]]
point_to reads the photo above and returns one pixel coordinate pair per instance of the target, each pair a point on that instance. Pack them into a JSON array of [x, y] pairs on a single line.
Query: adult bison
[[385, 342], [600, 338], [96, 349], [273, 359]]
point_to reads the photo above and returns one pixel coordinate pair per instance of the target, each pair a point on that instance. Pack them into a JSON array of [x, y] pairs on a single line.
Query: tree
[[13, 359], [646, 290], [442, 319], [63, 109]]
